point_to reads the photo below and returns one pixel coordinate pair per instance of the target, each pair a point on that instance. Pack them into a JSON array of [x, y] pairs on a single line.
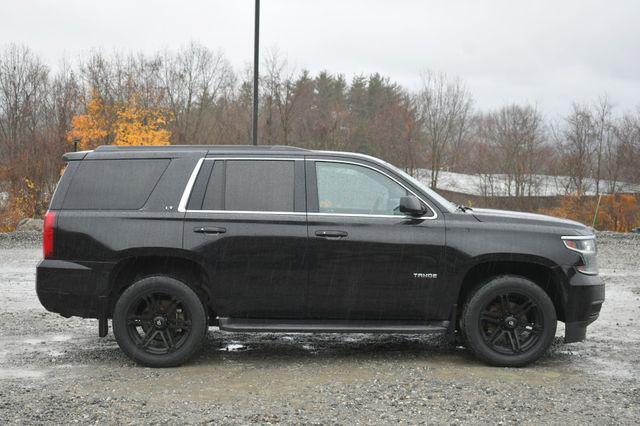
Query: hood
[[506, 216]]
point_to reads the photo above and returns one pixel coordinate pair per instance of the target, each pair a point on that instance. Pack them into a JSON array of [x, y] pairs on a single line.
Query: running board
[[332, 326]]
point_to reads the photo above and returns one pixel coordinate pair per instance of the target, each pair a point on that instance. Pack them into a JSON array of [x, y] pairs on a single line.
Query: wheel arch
[[541, 271], [134, 267]]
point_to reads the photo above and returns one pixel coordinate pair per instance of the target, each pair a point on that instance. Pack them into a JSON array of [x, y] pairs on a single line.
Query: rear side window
[[259, 185], [113, 184]]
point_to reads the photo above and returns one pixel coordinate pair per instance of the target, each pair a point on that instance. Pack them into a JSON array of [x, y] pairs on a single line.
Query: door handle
[[331, 234], [209, 230]]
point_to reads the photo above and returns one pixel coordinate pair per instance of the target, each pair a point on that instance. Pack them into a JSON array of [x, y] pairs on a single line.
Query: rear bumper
[[72, 289], [584, 299]]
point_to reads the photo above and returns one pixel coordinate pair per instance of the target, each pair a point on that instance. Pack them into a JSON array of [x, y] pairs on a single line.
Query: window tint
[[265, 185], [113, 184], [213, 197], [351, 189], [200, 186]]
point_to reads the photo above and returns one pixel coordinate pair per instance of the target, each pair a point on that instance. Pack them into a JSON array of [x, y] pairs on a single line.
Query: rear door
[[366, 259], [246, 219]]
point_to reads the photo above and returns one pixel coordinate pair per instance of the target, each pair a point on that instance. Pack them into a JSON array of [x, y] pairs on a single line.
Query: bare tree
[[577, 146], [195, 80], [23, 81], [279, 99], [517, 136], [444, 107], [603, 136], [627, 151]]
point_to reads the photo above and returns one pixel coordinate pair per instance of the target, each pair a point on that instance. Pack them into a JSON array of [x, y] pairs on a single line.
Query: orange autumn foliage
[[140, 126], [617, 212], [22, 203], [92, 128], [126, 123]]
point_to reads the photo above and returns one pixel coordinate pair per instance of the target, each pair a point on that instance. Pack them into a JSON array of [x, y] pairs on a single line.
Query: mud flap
[[575, 331], [103, 326], [452, 335]]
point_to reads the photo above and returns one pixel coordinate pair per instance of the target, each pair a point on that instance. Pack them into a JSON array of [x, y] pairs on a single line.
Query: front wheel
[[510, 322], [159, 322]]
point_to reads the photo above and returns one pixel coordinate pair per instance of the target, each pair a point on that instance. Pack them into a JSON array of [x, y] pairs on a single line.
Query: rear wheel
[[510, 321], [159, 322]]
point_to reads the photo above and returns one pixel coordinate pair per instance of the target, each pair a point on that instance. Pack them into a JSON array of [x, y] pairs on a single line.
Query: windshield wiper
[[463, 208]]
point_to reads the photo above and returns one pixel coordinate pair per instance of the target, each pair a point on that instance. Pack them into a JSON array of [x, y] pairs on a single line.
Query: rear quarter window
[[113, 184]]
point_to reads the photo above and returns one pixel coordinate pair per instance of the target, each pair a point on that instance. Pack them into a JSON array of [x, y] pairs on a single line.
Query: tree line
[[194, 96]]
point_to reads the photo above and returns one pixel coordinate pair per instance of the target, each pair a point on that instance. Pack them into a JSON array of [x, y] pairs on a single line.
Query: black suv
[[167, 241]]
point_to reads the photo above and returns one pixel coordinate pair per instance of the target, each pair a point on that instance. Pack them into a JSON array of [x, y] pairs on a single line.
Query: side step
[[332, 326]]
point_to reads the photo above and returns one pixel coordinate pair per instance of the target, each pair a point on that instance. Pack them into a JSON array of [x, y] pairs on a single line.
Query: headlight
[[586, 246]]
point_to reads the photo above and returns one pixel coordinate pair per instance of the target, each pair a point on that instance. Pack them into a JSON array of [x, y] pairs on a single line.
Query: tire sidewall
[[171, 286], [489, 291]]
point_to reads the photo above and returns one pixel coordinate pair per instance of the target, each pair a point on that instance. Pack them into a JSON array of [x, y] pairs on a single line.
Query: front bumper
[[584, 297]]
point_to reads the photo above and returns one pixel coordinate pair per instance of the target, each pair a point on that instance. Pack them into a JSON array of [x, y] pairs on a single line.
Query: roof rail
[[107, 148], [74, 156]]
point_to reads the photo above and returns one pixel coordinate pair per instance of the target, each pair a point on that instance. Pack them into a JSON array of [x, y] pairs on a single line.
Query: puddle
[[234, 347], [20, 373], [47, 339]]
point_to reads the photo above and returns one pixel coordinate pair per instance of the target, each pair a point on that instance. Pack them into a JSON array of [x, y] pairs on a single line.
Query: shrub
[[616, 212]]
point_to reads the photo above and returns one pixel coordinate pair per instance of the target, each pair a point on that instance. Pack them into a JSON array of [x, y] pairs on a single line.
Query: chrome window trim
[[247, 212], [182, 206], [382, 216], [435, 213]]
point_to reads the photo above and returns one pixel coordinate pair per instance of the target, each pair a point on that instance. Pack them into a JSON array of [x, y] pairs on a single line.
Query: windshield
[[430, 192]]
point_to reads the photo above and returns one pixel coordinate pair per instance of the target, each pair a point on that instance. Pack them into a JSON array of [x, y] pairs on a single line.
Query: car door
[[246, 219], [366, 259]]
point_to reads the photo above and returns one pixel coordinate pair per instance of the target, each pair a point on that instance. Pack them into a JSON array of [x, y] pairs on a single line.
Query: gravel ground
[[56, 370]]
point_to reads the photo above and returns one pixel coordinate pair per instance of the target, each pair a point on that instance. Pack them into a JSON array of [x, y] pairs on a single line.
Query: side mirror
[[411, 206]]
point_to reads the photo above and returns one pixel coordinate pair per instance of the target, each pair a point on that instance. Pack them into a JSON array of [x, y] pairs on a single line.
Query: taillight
[[48, 234]]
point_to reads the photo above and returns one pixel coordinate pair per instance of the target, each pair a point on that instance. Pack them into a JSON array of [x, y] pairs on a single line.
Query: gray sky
[[546, 52]]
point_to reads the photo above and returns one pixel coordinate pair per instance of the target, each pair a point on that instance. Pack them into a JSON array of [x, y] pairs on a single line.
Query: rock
[[30, 224]]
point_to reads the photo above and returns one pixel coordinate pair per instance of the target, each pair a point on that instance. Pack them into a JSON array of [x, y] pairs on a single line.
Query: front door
[[366, 259], [246, 220]]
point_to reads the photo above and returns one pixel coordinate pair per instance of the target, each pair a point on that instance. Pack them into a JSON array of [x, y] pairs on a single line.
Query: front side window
[[352, 189]]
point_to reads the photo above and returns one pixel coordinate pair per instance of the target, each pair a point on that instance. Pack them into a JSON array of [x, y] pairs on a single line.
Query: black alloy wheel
[[159, 322], [509, 321]]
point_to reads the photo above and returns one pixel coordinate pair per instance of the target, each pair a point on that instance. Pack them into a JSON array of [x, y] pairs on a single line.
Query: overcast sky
[[545, 52]]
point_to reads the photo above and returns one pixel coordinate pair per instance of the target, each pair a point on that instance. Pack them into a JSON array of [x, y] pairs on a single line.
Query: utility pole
[[256, 75]]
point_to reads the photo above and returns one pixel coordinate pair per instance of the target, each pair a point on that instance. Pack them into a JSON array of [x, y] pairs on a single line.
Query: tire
[[509, 321], [159, 322]]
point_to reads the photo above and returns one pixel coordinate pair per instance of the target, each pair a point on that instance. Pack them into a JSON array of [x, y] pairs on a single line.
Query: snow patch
[[497, 185]]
